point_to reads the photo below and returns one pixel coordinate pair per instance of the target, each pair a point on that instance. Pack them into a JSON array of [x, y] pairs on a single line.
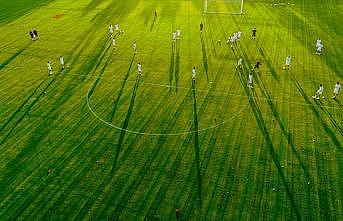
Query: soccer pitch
[[97, 141]]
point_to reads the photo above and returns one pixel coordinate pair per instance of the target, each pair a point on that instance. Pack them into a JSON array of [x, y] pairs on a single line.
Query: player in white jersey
[[174, 36], [239, 63], [116, 26], [239, 35], [250, 81], [194, 73], [319, 46], [114, 42], [110, 29], [319, 49], [288, 62], [235, 36], [178, 33], [319, 92], [231, 41], [49, 68], [336, 90], [62, 62], [139, 68], [134, 46]]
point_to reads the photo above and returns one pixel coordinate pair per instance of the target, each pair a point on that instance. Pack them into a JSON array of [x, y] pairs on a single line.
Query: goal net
[[233, 7]]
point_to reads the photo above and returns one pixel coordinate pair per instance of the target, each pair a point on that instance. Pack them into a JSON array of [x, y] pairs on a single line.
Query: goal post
[[230, 7]]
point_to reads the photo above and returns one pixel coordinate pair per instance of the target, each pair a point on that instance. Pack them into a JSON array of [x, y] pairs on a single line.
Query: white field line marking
[[155, 134]]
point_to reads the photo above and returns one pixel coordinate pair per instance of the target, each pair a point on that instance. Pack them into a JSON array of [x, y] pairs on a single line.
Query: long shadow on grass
[[46, 208], [162, 140], [14, 56], [307, 28], [153, 23], [263, 128], [75, 178], [196, 140], [268, 62], [39, 133], [22, 105], [30, 107], [326, 127], [12, 10], [100, 188], [90, 67], [204, 55], [100, 140], [324, 204], [177, 65], [287, 134], [126, 123], [82, 173], [41, 130], [117, 9], [160, 196], [171, 66], [329, 115], [92, 5], [98, 79], [27, 110], [30, 148], [116, 102], [123, 131]]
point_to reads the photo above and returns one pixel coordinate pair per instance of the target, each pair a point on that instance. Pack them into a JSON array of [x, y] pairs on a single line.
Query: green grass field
[[124, 147]]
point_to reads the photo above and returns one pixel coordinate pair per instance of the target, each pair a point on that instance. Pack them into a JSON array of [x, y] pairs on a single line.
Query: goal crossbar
[[207, 9]]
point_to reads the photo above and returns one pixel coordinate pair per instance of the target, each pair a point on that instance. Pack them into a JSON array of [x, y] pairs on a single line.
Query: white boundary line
[[155, 134]]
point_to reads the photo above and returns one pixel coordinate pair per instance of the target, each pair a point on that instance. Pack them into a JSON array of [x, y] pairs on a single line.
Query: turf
[[124, 147]]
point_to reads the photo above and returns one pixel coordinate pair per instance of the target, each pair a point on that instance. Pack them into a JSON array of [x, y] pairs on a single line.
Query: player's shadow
[[196, 142], [85, 70], [126, 122], [116, 102], [153, 23], [92, 5], [269, 64], [204, 55], [172, 65], [317, 114], [311, 26], [57, 103], [286, 132], [177, 65], [22, 105], [14, 56], [257, 112], [331, 118], [41, 94], [98, 79]]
